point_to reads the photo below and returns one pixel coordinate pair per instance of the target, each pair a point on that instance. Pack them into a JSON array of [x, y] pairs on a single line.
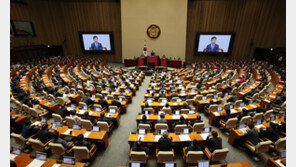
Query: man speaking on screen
[[213, 47], [96, 45]]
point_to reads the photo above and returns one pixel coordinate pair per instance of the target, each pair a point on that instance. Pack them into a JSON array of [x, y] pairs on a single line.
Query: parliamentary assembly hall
[[146, 83]]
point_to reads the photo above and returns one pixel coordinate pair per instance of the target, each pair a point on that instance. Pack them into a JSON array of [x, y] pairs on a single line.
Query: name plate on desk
[[141, 136], [204, 135], [36, 162], [157, 137], [67, 132], [176, 116], [86, 134]]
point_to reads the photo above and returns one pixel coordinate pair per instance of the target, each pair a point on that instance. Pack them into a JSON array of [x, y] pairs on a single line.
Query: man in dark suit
[[96, 45], [194, 147], [115, 103], [244, 113], [58, 140], [29, 130], [43, 135], [137, 147], [165, 143], [198, 120], [213, 47], [64, 112], [103, 103], [81, 142], [252, 135], [214, 142], [271, 133], [144, 120], [104, 119], [87, 100], [181, 122], [162, 120]]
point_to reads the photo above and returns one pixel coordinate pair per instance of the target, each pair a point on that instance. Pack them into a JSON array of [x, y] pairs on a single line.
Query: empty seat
[[138, 156], [261, 147], [82, 152], [198, 127], [57, 117], [179, 128], [159, 126], [217, 155], [165, 156], [230, 123]]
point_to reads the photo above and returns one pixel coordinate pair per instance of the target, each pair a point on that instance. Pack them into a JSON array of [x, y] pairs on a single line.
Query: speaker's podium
[[141, 63], [152, 61]]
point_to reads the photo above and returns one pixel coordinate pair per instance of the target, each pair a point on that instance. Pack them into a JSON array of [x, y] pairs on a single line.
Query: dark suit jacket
[[269, 133], [99, 47], [214, 143], [44, 136], [29, 130], [192, 148], [165, 144], [179, 123], [103, 103], [252, 136], [64, 112], [84, 143], [116, 103], [139, 148], [88, 101], [215, 49], [60, 141], [162, 121]]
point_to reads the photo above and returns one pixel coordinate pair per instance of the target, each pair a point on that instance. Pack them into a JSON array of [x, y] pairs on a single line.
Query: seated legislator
[[227, 115], [81, 142], [244, 113], [214, 142], [165, 143], [162, 120], [64, 112], [144, 120], [44, 135], [181, 122], [252, 135], [87, 100], [104, 119], [137, 147], [198, 120], [103, 103], [29, 130], [87, 117], [271, 133], [58, 140], [194, 147]]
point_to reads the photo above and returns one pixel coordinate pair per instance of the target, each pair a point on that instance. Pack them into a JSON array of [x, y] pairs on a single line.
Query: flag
[[145, 50]]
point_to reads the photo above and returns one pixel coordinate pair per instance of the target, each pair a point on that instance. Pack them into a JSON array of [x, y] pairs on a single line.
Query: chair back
[[197, 127], [110, 97], [159, 126], [184, 111], [267, 114], [237, 103], [80, 93], [165, 156], [280, 143], [57, 148], [113, 107], [103, 126], [60, 101], [86, 124], [26, 108], [57, 117], [226, 106], [167, 110], [138, 156], [231, 123], [37, 145], [190, 101], [246, 119], [81, 152], [213, 107], [97, 106], [262, 147], [219, 154], [257, 116], [194, 156], [34, 112], [70, 121], [144, 126], [81, 104], [179, 128], [174, 99], [210, 96], [198, 97], [19, 139]]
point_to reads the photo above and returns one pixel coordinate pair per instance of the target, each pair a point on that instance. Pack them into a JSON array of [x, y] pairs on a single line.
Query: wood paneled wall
[[57, 22], [261, 22]]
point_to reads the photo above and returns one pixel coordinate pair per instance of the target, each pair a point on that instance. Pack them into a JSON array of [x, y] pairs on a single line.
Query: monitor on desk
[[183, 91], [216, 96], [16, 151], [41, 155], [164, 100], [179, 100], [177, 112], [219, 109], [226, 95], [69, 160], [231, 106], [147, 112], [161, 131], [203, 164], [120, 99], [43, 120], [242, 104], [58, 124], [259, 122], [106, 98], [76, 127], [112, 111], [204, 98], [272, 118], [142, 131], [191, 112], [250, 102], [93, 96], [72, 106], [126, 91], [96, 129], [53, 126], [84, 107], [283, 154], [149, 100], [161, 112], [98, 109], [242, 125], [210, 88], [169, 164], [207, 129], [185, 131], [135, 164]]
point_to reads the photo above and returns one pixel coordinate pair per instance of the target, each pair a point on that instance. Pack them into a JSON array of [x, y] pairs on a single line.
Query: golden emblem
[[153, 31]]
